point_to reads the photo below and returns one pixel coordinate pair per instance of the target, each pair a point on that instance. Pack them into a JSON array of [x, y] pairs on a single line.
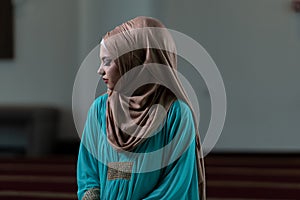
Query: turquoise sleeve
[[87, 164]]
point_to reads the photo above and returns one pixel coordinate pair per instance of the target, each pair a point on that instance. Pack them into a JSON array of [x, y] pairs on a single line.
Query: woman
[[140, 139]]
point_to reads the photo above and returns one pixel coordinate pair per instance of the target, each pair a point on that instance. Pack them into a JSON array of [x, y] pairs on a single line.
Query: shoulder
[[180, 109], [99, 104], [180, 120], [179, 114], [101, 99]]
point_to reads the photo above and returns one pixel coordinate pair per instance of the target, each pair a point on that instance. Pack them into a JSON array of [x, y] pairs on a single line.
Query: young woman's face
[[108, 69]]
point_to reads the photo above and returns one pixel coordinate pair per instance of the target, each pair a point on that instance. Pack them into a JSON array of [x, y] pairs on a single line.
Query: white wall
[[97, 17], [256, 46], [52, 37], [45, 62]]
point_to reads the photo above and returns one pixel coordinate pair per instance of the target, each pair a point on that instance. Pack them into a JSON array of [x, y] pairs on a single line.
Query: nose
[[100, 70]]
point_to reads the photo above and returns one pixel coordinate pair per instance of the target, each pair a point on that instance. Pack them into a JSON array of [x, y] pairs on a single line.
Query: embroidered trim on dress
[[119, 170], [92, 194]]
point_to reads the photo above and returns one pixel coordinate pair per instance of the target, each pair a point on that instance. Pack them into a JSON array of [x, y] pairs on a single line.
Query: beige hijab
[[145, 54]]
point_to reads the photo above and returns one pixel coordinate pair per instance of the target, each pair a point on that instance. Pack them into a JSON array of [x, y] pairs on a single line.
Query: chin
[[111, 88]]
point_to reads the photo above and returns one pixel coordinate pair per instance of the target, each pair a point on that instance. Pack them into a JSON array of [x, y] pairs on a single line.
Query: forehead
[[104, 52]]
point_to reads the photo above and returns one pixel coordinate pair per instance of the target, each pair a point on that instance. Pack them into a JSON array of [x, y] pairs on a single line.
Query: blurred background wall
[[46, 58], [255, 45]]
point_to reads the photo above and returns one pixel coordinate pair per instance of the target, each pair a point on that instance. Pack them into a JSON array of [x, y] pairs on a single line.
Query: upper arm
[[87, 163]]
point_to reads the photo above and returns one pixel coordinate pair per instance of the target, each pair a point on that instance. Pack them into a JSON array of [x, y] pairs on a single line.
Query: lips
[[105, 80]]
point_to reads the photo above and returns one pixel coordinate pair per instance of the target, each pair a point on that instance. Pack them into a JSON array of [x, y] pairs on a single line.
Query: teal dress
[[171, 174]]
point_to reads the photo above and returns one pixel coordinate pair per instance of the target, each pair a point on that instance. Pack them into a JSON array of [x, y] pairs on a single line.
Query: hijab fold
[[145, 54]]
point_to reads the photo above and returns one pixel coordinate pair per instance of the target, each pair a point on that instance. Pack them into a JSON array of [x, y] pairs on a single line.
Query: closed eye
[[106, 61]]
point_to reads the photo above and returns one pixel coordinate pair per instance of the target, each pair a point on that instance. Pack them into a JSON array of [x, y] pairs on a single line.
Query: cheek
[[114, 74], [117, 75], [115, 78]]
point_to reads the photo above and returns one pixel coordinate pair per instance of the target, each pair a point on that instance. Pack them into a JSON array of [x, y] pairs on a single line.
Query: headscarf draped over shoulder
[[145, 53]]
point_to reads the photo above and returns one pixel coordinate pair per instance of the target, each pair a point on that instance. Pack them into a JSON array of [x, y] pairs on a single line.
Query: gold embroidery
[[119, 170], [91, 194]]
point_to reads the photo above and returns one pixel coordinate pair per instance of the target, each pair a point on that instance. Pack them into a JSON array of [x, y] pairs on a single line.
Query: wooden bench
[[36, 126]]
